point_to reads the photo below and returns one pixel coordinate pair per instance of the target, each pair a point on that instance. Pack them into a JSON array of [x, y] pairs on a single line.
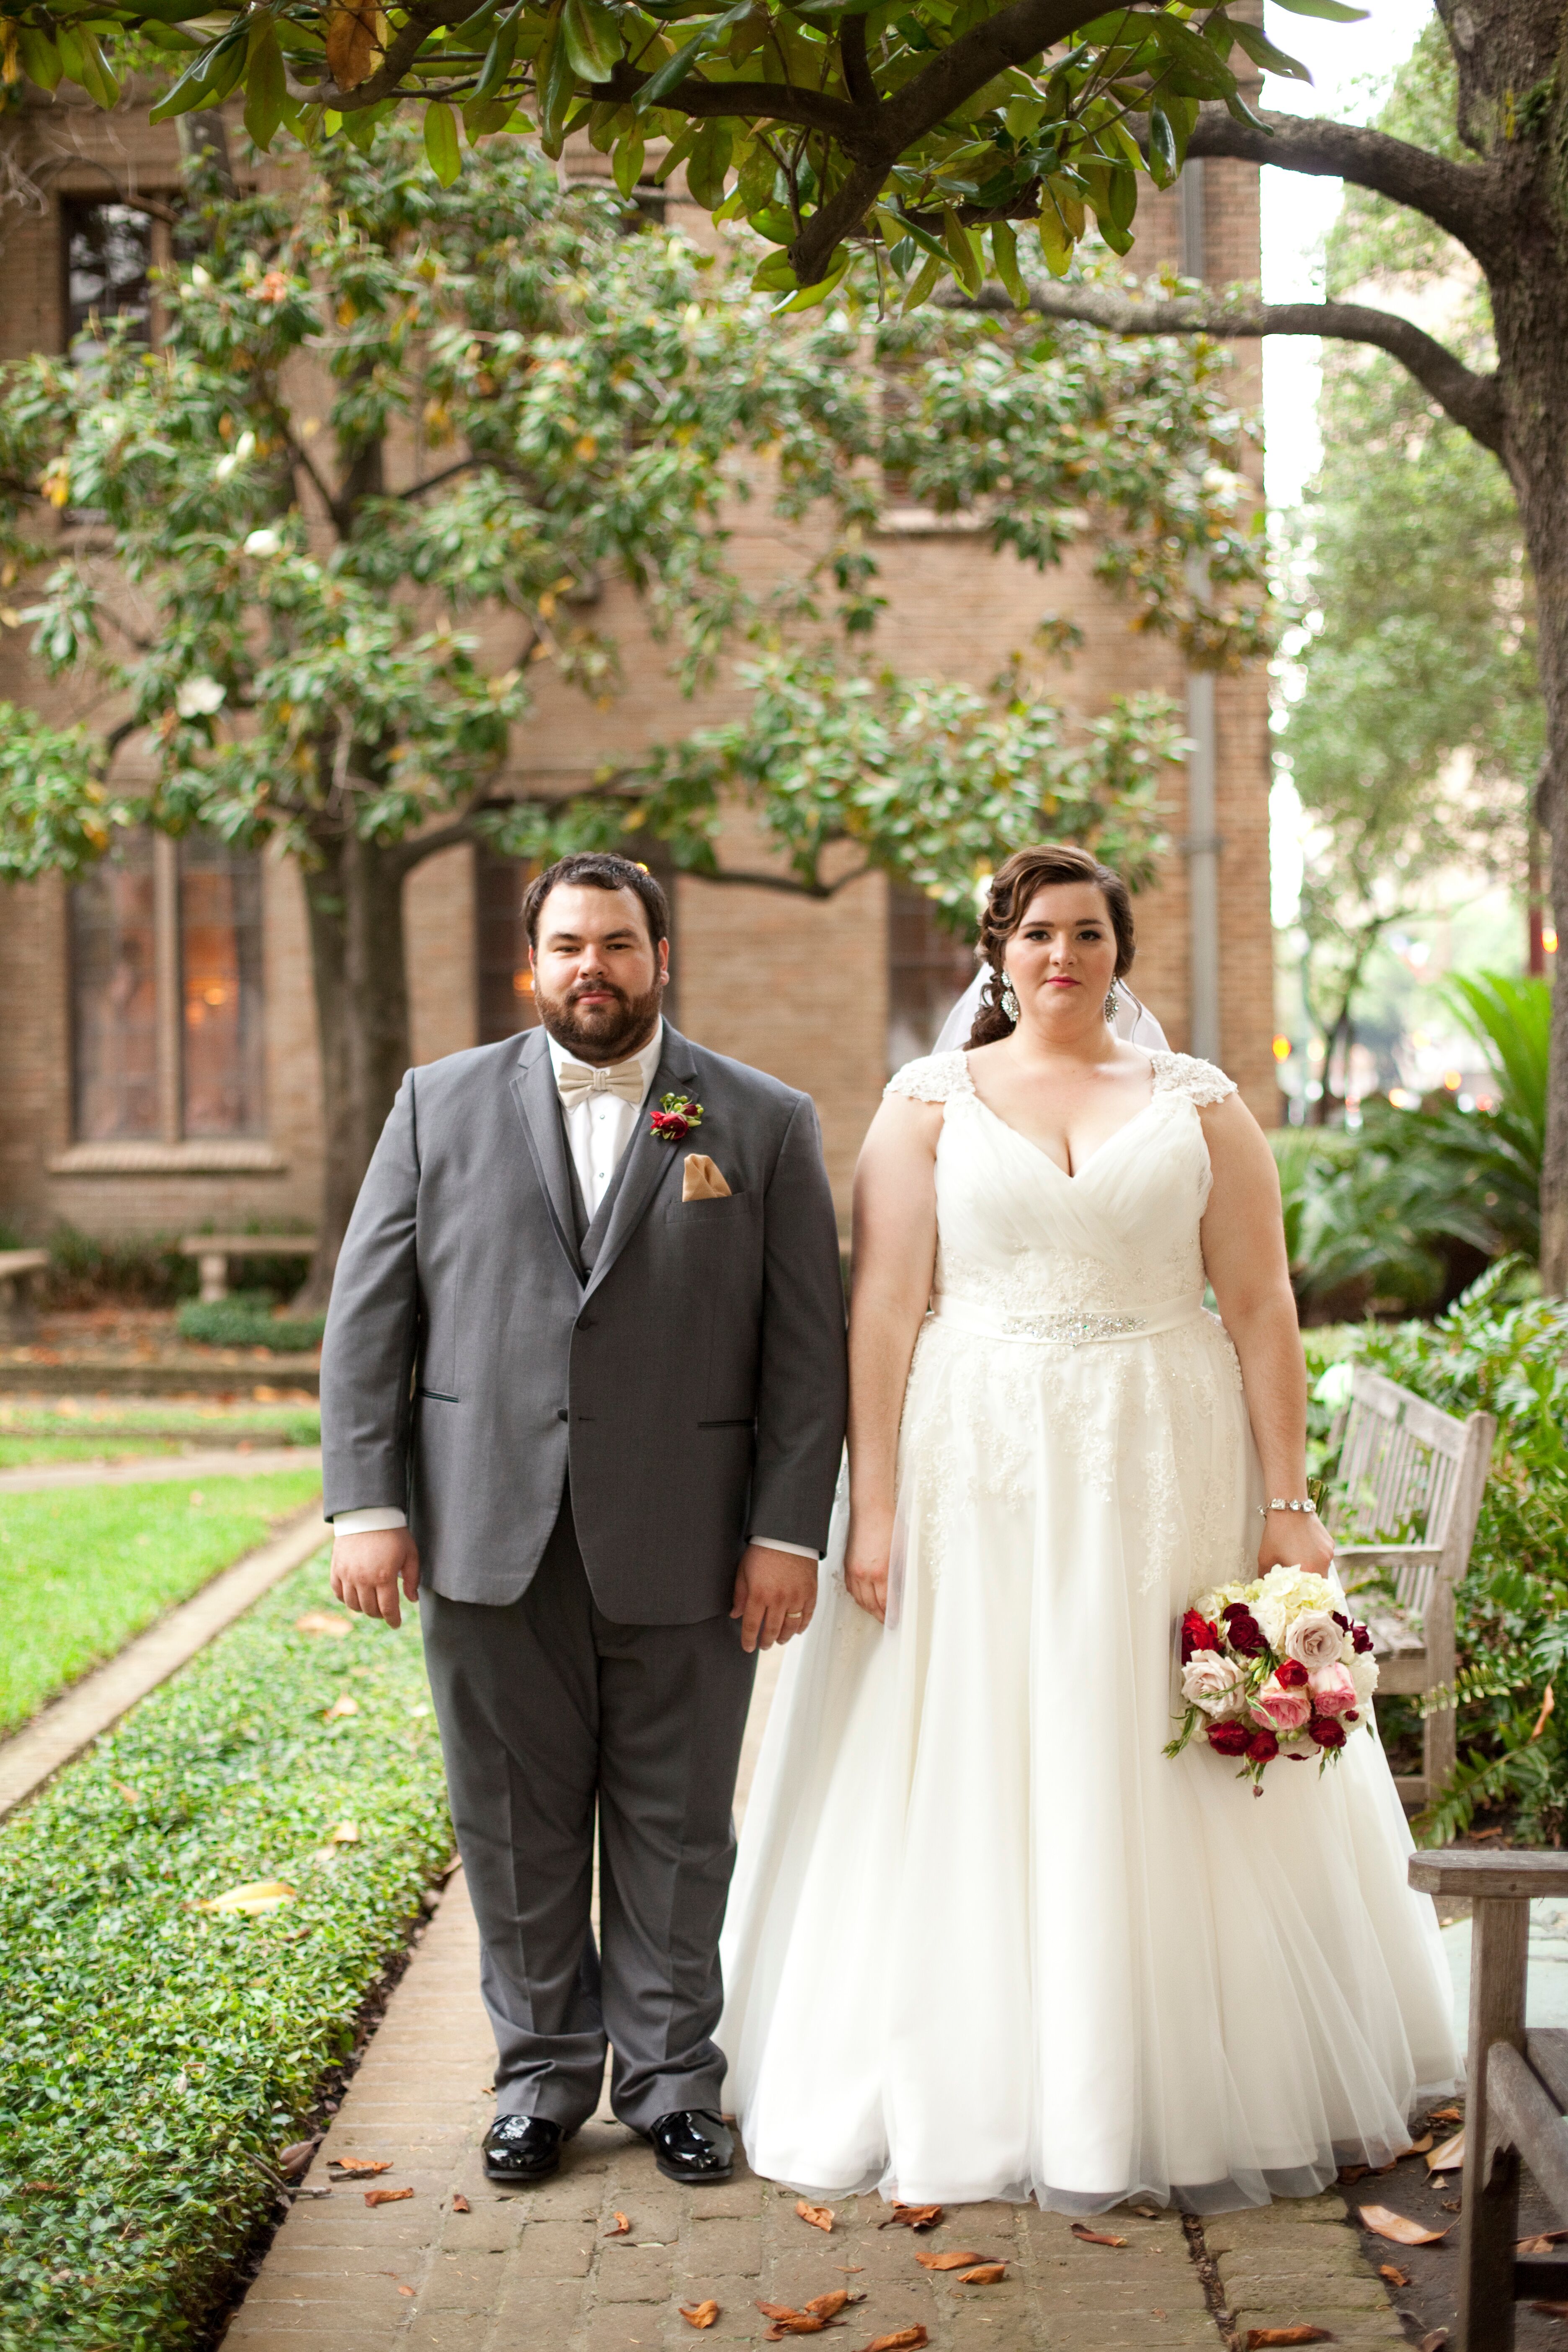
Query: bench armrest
[[1484, 1876], [1387, 1555]]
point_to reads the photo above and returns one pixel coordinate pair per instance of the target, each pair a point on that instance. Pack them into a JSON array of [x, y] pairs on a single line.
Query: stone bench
[[17, 1268], [213, 1252]]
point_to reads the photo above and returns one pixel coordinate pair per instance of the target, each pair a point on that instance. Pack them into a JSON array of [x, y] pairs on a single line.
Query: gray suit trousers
[[550, 1714]]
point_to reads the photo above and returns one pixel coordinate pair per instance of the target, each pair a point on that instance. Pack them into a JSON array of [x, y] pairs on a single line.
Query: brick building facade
[[215, 1118]]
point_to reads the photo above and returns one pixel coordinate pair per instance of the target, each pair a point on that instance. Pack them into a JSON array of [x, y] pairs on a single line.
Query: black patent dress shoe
[[690, 2145], [522, 2150]]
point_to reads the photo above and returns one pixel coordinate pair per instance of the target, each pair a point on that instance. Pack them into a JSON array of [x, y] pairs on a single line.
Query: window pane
[[929, 969], [108, 254], [220, 981], [505, 982], [114, 1025]]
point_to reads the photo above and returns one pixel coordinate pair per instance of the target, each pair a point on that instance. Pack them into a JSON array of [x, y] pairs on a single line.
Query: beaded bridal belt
[[1066, 1330]]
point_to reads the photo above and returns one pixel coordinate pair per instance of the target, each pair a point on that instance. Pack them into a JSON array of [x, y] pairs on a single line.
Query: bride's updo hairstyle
[[1008, 900]]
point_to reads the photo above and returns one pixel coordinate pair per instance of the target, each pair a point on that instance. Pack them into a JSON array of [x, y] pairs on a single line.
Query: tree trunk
[[355, 903]]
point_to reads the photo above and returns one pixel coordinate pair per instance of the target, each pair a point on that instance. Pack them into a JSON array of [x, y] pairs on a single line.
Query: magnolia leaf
[[930, 271], [950, 2261], [708, 164], [357, 38], [619, 2228], [988, 2275], [912, 2217], [820, 2217], [674, 70], [346, 1833], [1541, 2245], [1263, 52], [1394, 2274], [386, 2196], [459, 2202], [441, 146], [1335, 10], [627, 162], [1385, 2222], [1258, 2338], [498, 57], [360, 2167], [1449, 2156], [826, 2307], [266, 91], [1005, 251], [258, 1895], [700, 2314], [40, 58], [1416, 2147], [323, 1621], [593, 38], [1164, 161], [907, 2340], [293, 2160], [1087, 2236]]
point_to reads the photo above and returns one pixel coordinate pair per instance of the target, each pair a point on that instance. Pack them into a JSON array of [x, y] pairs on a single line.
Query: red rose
[[1198, 1633], [670, 1124], [1229, 1738], [1245, 1632], [1326, 1730], [1290, 1673], [1361, 1639], [1262, 1748]]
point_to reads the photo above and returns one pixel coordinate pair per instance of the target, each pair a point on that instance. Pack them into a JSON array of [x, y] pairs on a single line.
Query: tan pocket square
[[701, 1179]]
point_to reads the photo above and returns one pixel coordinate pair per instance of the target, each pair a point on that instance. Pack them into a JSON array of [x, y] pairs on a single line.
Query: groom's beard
[[605, 1032]]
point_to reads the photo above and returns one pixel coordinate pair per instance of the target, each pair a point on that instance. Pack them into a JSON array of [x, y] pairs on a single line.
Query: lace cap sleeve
[[936, 1077], [1185, 1073]]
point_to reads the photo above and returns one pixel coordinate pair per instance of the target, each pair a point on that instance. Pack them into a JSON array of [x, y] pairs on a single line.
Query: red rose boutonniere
[[675, 1118]]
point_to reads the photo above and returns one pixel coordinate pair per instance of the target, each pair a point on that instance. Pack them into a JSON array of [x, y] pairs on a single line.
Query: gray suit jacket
[[684, 1360]]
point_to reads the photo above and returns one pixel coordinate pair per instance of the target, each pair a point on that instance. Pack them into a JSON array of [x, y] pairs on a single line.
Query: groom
[[583, 1390]]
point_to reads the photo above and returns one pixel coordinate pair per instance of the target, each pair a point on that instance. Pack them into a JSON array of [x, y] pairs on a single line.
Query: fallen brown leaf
[[460, 2203], [357, 35], [1444, 2116], [1449, 2156], [122, 1789], [825, 2305], [405, 2290], [620, 2227], [798, 2323], [1452, 2204], [360, 2166], [1542, 2244], [988, 2275], [45, 2189], [1394, 2274], [322, 1621], [346, 1833], [1145, 2212], [1257, 2337], [386, 2196], [912, 2217], [820, 2217], [908, 2339], [293, 2159], [1087, 2236], [1386, 2223], [1349, 2174], [257, 1894], [1416, 2147], [700, 2314], [950, 2261]]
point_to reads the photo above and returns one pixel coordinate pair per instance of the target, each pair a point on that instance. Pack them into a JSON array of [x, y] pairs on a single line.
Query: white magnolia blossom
[[263, 542], [243, 449], [198, 697]]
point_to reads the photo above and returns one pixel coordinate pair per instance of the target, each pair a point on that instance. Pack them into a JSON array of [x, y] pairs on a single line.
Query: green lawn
[[82, 1568], [154, 2057], [118, 1429]]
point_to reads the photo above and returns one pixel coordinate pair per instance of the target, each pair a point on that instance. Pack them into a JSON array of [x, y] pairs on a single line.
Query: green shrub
[[136, 1270], [154, 2058], [246, 1320], [1502, 1348]]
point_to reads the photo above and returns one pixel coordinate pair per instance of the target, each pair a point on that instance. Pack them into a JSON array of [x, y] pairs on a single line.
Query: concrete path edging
[[159, 1469], [89, 1709]]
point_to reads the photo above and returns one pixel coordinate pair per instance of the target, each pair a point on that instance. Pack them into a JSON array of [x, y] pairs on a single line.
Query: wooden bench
[[1404, 1465], [17, 1268], [1518, 2090], [213, 1252]]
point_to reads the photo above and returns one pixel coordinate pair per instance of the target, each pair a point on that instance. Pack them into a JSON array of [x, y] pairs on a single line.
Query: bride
[[985, 1939]]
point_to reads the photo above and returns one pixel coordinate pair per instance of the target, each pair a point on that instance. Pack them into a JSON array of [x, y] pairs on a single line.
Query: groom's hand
[[369, 1568], [775, 1593]]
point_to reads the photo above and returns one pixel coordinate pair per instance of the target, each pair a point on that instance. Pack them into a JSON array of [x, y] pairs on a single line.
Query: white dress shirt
[[598, 1129]]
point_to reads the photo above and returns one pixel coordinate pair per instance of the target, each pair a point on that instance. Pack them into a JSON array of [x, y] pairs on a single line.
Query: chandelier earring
[[1009, 1001], [1111, 1004]]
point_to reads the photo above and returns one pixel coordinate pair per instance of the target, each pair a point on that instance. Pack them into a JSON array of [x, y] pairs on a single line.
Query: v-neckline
[[1067, 1175]]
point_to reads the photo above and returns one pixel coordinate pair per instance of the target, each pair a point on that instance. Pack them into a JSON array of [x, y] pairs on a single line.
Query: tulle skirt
[[985, 1939]]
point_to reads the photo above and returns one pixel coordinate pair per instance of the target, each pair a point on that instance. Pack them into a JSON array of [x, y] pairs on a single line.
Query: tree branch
[[778, 102], [855, 62], [434, 481], [1459, 197], [1471, 399]]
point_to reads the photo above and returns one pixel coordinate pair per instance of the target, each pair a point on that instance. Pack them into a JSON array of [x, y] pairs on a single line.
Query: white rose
[[263, 542], [1315, 1639], [1363, 1674], [198, 697], [1214, 1683], [1271, 1621]]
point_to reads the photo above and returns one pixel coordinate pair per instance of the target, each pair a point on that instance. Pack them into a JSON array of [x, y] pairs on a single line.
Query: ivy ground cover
[[154, 2056], [83, 1568]]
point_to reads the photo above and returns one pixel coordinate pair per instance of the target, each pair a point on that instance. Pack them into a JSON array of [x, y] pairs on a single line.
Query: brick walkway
[[539, 2271]]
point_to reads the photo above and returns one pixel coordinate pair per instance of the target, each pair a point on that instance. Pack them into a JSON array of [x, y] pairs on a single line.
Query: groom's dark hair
[[598, 869]]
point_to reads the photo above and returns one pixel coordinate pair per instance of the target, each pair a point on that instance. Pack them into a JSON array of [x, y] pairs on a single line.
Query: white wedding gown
[[985, 1939]]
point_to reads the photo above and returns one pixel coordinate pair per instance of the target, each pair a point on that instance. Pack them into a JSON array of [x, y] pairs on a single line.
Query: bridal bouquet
[[1272, 1669]]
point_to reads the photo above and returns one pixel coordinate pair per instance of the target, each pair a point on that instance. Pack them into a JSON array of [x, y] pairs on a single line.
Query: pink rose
[[1281, 1709], [1333, 1691]]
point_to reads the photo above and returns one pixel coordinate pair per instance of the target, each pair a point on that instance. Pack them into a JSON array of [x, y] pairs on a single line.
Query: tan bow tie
[[575, 1083]]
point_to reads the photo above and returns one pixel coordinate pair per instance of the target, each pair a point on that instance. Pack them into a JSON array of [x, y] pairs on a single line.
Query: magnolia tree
[[393, 443]]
